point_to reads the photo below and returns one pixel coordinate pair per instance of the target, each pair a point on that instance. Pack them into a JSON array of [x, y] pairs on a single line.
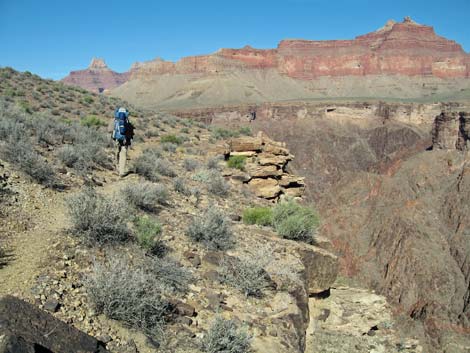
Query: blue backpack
[[121, 122]]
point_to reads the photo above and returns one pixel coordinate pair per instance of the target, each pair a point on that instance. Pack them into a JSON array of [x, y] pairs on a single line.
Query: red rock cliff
[[405, 48]]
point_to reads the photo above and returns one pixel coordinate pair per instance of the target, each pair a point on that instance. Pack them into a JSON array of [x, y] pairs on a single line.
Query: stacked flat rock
[[265, 168]]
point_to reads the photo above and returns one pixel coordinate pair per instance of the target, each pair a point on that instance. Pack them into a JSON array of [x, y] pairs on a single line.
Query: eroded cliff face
[[391, 182], [96, 78], [405, 49]]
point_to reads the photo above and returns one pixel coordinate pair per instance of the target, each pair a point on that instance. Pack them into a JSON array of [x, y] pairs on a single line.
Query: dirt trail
[[31, 251]]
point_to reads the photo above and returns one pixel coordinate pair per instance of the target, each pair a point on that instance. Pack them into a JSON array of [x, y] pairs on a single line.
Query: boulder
[[25, 328], [294, 192], [245, 144], [321, 267], [245, 153], [257, 171], [266, 188], [270, 159], [291, 180]]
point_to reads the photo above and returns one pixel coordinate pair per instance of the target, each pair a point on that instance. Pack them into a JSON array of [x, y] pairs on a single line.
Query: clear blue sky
[[52, 37]]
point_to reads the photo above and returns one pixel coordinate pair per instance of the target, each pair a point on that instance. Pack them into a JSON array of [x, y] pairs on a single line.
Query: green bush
[[92, 121], [148, 235], [295, 222], [212, 230], [97, 219], [88, 99], [246, 131], [171, 139], [225, 336], [262, 216], [237, 162]]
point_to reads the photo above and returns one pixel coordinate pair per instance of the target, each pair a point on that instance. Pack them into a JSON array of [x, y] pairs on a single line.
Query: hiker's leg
[[122, 161]]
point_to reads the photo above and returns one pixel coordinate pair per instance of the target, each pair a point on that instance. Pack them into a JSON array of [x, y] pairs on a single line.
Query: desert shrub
[[294, 221], [22, 155], [219, 133], [184, 130], [237, 162], [202, 176], [245, 130], [169, 147], [212, 229], [171, 139], [92, 121], [217, 185], [180, 186], [190, 164], [128, 293], [88, 99], [145, 196], [150, 165], [246, 273], [98, 219], [148, 235], [213, 163], [172, 276], [225, 336], [258, 215]]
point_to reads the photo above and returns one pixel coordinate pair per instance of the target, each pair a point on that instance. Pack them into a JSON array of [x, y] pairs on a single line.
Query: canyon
[[401, 60]]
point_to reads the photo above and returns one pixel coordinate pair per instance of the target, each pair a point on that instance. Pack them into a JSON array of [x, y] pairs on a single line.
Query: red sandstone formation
[[405, 48], [96, 78]]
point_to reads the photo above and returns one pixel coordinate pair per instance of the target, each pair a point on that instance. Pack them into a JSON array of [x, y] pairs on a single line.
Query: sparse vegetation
[[148, 235], [129, 293], [211, 229], [180, 187], [98, 219], [246, 273], [145, 196], [213, 163], [92, 121], [150, 165], [217, 185], [237, 162], [171, 139], [262, 216], [294, 221], [225, 336], [190, 164]]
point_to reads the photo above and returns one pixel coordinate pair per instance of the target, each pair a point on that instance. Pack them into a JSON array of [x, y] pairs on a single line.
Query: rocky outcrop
[[26, 329], [96, 78], [265, 168], [451, 131]]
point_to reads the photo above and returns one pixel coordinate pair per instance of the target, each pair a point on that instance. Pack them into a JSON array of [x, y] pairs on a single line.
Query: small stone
[[51, 305]]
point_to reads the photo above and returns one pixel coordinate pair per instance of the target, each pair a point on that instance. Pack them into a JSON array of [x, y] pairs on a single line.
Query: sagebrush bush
[[224, 336], [180, 186], [171, 139], [150, 165], [169, 147], [262, 216], [92, 121], [246, 273], [148, 235], [190, 164], [237, 162], [129, 293], [98, 219], [22, 155], [145, 196], [212, 229], [213, 163], [294, 221], [217, 185], [173, 278]]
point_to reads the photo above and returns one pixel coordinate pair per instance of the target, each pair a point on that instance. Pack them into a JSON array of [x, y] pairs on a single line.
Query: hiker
[[123, 133]]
